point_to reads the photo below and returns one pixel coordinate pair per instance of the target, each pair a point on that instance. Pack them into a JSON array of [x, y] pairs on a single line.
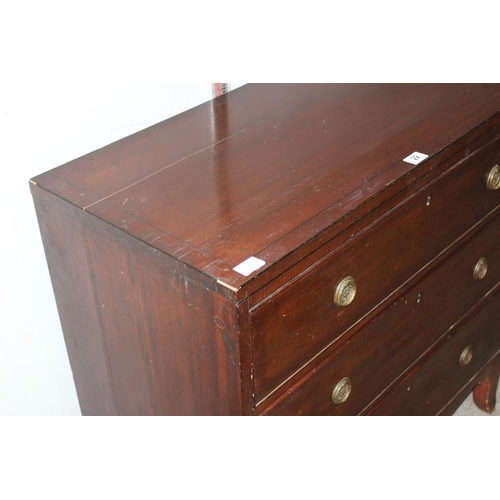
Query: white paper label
[[415, 158], [249, 266]]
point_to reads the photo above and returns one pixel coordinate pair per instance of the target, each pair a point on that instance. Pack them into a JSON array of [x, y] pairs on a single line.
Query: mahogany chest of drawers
[[285, 250]]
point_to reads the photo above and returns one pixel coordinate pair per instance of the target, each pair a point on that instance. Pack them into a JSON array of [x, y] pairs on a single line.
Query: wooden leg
[[485, 392]]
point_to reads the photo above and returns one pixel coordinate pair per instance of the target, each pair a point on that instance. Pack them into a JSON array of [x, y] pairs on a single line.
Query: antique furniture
[[285, 250]]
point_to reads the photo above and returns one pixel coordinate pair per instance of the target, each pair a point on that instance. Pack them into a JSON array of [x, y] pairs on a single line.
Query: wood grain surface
[[400, 334], [142, 237], [432, 384], [262, 170], [302, 319]]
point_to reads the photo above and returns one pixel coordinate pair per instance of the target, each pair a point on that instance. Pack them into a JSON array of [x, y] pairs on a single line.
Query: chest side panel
[[67, 259], [144, 335], [172, 342]]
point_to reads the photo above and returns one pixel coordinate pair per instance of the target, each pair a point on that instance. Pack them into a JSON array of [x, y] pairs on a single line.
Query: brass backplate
[[466, 356], [345, 292], [342, 391], [480, 269], [493, 181]]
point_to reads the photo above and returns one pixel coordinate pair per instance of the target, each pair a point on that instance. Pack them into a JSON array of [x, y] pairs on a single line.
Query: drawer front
[[393, 341], [451, 368], [291, 327]]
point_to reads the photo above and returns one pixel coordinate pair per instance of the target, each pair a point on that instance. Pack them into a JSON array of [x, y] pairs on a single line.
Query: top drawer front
[[292, 326]]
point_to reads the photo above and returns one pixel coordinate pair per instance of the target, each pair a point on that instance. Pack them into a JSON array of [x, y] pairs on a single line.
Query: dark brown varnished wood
[[142, 237], [262, 182], [452, 406], [172, 343], [378, 354], [327, 241], [428, 389], [120, 165], [67, 258], [144, 335], [298, 322]]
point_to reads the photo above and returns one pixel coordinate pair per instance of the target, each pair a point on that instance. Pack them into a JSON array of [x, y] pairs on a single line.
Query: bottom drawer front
[[438, 380]]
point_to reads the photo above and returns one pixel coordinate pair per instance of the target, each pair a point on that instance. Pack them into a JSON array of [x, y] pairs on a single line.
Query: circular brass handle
[[342, 391], [466, 356], [493, 181], [345, 292], [480, 269]]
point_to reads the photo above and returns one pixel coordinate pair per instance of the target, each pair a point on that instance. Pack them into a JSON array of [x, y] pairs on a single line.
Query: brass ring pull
[[493, 181], [466, 356], [345, 292], [480, 269], [342, 391]]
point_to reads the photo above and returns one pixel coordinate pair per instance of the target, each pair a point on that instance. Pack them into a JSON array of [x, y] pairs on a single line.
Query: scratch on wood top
[[227, 286], [33, 182]]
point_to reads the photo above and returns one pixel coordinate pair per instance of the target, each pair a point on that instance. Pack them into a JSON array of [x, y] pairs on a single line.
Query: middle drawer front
[[291, 327], [394, 340]]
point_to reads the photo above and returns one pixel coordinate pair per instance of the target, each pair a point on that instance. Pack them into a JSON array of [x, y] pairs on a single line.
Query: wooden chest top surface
[[267, 169]]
